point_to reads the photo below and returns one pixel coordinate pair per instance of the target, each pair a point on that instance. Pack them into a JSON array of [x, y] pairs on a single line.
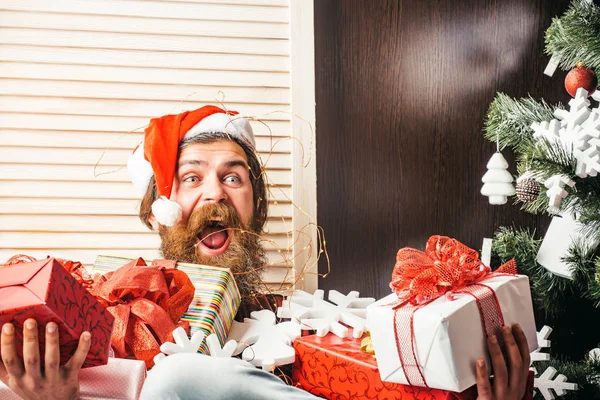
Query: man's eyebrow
[[236, 163], [192, 162], [228, 164]]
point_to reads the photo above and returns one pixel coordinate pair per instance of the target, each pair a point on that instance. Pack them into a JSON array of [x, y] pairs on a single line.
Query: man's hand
[[25, 377], [510, 380]]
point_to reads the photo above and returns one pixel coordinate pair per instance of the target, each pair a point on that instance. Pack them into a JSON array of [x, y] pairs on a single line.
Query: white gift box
[[449, 336]]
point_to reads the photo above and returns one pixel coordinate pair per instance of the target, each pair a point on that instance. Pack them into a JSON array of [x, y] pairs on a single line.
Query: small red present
[[335, 368], [45, 291]]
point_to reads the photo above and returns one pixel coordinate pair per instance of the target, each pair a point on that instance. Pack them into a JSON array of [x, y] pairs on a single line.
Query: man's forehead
[[222, 151]]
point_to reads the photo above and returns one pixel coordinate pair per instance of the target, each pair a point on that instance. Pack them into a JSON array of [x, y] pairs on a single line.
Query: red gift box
[[336, 368], [45, 291]]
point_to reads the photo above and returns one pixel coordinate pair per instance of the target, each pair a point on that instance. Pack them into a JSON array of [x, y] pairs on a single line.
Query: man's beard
[[244, 256]]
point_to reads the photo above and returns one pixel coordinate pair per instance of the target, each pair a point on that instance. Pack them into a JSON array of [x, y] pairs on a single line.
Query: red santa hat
[[157, 154]]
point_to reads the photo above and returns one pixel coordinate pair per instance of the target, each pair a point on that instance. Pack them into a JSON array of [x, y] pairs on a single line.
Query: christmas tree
[[557, 148]]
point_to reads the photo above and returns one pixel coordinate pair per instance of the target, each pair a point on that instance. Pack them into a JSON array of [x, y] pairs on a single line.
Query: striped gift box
[[216, 300]]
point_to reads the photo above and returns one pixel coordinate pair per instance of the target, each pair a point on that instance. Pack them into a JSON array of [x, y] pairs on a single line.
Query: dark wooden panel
[[402, 91]]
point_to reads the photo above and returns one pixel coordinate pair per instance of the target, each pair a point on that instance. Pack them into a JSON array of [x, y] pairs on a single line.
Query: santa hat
[[157, 154]]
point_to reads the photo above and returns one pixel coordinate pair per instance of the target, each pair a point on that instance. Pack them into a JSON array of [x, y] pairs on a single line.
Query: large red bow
[[147, 303], [445, 266]]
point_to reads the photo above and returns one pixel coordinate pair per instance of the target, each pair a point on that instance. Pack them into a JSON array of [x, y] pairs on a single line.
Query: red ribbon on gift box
[[447, 267], [147, 303]]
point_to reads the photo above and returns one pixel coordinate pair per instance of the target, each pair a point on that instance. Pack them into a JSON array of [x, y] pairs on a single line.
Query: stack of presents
[[419, 342]]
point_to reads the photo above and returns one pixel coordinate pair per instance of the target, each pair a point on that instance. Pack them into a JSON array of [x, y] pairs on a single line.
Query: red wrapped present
[[46, 291], [335, 368]]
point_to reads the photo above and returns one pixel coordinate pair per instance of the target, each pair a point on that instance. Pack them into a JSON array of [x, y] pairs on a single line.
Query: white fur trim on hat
[[140, 171], [232, 124], [166, 212]]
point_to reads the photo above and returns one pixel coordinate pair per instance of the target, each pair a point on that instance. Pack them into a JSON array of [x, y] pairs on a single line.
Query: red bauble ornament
[[581, 77]]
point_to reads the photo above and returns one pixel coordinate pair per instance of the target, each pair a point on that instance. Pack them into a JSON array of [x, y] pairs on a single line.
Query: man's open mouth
[[214, 238]]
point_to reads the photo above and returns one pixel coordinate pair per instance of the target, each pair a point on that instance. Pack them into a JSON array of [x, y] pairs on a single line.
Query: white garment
[[186, 376]]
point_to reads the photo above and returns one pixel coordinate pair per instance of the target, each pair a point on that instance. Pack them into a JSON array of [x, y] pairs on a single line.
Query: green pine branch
[[552, 295], [509, 121], [593, 290], [575, 36]]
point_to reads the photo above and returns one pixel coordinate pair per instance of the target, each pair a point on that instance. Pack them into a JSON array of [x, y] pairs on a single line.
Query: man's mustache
[[213, 214]]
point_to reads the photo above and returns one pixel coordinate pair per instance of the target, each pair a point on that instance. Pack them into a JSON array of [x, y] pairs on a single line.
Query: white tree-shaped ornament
[[497, 181], [264, 343]]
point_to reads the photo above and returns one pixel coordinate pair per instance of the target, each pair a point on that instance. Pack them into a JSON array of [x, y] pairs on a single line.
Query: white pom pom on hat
[[157, 154]]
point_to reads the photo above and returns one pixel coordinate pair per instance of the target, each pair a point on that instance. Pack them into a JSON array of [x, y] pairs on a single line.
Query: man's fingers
[[12, 363], [31, 349], [515, 362], [484, 388], [52, 356], [499, 365], [75, 363], [521, 340]]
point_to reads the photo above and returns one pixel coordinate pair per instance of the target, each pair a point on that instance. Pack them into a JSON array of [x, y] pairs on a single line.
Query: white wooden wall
[[77, 76]]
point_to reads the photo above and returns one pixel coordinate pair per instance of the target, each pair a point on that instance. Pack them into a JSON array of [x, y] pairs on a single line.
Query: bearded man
[[204, 192]]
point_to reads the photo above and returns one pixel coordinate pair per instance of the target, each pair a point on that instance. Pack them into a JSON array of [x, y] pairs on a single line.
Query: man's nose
[[213, 191]]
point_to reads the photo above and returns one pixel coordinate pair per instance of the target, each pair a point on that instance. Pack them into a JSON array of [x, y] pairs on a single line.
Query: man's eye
[[232, 179], [191, 179]]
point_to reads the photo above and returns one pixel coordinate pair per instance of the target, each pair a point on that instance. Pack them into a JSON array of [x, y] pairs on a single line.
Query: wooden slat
[[147, 58], [79, 173], [153, 9], [124, 241], [110, 140], [95, 207], [126, 108], [92, 190], [87, 223], [112, 157], [85, 123], [135, 41], [92, 73], [133, 91], [152, 26]]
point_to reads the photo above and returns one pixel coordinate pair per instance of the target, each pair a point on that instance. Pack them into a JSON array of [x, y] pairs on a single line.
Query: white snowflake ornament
[[215, 349], [335, 315], [183, 344], [547, 383], [577, 132], [267, 345], [543, 343], [497, 181], [556, 191]]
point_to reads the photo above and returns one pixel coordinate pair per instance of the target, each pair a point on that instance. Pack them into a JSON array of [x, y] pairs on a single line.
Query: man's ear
[[153, 222]]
